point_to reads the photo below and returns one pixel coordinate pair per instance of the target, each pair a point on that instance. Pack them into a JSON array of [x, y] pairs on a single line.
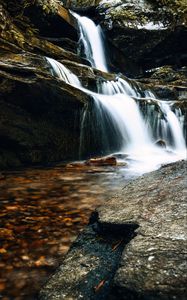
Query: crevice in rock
[[90, 266]]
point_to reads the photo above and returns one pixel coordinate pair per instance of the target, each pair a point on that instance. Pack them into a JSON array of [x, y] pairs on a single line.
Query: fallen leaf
[[114, 247], [99, 286], [2, 286], [2, 251]]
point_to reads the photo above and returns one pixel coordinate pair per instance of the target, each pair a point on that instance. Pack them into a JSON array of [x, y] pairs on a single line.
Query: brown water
[[42, 210]]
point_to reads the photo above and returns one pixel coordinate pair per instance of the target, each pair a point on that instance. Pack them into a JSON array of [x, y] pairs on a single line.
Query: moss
[[48, 6], [178, 8], [168, 74], [15, 14], [128, 15]]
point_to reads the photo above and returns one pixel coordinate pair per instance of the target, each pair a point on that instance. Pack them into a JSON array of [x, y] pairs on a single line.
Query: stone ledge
[[147, 222]]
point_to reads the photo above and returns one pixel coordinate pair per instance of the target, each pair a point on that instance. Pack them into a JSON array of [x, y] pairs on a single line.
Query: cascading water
[[119, 122], [174, 126], [60, 71], [91, 38], [167, 123], [120, 86]]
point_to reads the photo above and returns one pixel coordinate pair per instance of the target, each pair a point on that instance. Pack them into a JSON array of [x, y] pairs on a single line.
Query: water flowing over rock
[[89, 95], [59, 102], [91, 38]]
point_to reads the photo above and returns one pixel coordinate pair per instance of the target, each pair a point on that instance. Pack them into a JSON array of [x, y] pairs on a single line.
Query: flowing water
[[91, 38], [60, 71], [123, 128], [43, 210]]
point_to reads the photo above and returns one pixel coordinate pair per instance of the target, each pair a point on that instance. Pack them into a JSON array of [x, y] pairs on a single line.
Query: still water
[[42, 210]]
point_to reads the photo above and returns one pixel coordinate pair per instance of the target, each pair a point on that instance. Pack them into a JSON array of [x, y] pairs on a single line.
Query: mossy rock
[[147, 34]]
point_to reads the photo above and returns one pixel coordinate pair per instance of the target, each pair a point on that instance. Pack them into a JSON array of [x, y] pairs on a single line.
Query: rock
[[102, 161], [88, 268], [166, 82], [148, 33], [88, 75], [15, 39], [64, 42], [150, 268], [52, 21], [160, 143], [148, 218], [81, 5], [2, 177], [37, 111]]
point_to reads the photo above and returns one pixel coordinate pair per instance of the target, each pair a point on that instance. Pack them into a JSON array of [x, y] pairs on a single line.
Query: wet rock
[[2, 177], [146, 32], [63, 42], [102, 161], [161, 143], [37, 111], [167, 82], [88, 268], [88, 75], [148, 217], [81, 5], [16, 39], [150, 268]]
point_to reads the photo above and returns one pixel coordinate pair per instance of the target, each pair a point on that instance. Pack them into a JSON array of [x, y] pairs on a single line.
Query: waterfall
[[174, 126], [119, 120], [60, 71], [129, 124], [91, 38], [120, 86], [166, 123]]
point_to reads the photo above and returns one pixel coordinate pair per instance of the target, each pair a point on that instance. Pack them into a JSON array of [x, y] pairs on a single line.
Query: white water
[[91, 37], [137, 137], [60, 71], [119, 86], [124, 111], [132, 133], [174, 125]]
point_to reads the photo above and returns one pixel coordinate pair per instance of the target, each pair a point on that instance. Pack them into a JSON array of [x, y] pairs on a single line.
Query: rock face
[[36, 113], [153, 263], [148, 216], [81, 5], [40, 115], [167, 82], [87, 270], [148, 33]]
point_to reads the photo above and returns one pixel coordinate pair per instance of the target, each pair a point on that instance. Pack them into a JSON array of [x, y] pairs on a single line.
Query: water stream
[[43, 209], [121, 125], [91, 38]]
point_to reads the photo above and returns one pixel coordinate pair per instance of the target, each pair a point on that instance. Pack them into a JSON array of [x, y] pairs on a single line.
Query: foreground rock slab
[[153, 264], [135, 247]]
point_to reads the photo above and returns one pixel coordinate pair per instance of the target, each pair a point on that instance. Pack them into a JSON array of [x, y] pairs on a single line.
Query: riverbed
[[42, 212]]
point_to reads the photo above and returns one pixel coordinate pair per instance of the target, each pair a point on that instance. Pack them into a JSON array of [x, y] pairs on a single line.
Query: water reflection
[[42, 211]]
